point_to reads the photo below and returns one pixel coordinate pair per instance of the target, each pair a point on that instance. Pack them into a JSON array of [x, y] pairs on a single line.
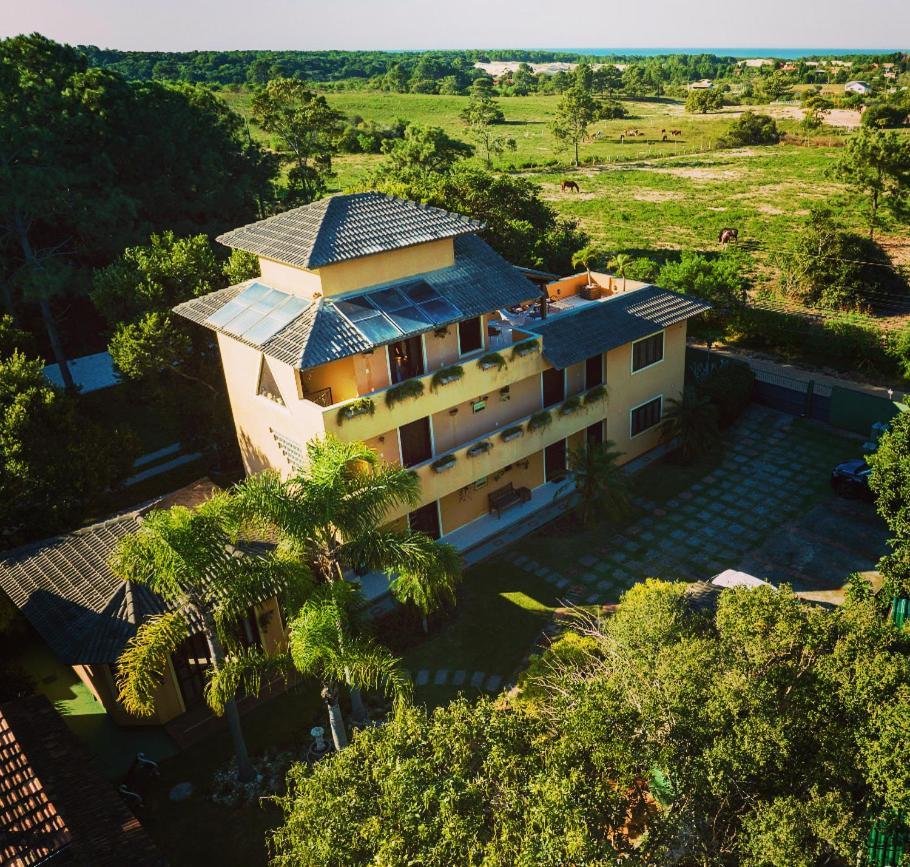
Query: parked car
[[851, 479]]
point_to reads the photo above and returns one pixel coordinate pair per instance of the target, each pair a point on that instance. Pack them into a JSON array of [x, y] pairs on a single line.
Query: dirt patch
[[698, 173], [655, 196], [838, 117], [770, 209]]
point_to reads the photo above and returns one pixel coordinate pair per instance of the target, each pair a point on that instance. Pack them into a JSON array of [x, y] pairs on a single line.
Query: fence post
[[810, 393]]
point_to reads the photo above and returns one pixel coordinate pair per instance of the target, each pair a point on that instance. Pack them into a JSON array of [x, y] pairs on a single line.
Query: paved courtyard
[[766, 509]]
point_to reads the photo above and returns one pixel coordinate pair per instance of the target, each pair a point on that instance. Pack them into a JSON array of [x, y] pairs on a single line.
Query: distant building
[[704, 84], [860, 87]]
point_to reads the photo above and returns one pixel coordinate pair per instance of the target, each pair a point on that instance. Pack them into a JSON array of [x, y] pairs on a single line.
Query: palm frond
[[427, 573], [145, 660], [244, 672]]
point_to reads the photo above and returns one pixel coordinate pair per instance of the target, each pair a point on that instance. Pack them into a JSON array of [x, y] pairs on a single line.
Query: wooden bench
[[506, 497]]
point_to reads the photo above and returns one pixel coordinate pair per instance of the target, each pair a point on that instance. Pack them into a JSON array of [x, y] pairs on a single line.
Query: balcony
[[371, 415], [454, 469]]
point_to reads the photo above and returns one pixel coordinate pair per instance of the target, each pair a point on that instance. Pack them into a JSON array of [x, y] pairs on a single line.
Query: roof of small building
[[574, 335], [479, 281], [54, 802], [339, 228], [702, 596], [66, 589]]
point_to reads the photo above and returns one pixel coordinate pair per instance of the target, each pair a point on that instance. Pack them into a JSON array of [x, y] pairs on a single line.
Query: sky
[[180, 25]]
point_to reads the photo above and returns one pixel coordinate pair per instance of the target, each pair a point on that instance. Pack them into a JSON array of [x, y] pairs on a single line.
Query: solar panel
[[356, 309], [378, 329], [411, 319], [419, 290], [258, 313], [389, 300], [439, 310]]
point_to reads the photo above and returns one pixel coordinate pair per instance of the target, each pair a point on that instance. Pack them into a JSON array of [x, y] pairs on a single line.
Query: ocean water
[[780, 53]]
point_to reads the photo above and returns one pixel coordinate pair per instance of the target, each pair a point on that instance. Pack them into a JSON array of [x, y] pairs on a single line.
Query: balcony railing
[[322, 397]]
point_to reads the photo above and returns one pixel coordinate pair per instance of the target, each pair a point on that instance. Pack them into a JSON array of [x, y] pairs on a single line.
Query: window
[[416, 445], [470, 337], [554, 386], [646, 416], [647, 352], [555, 461], [595, 433], [406, 359], [267, 386], [425, 520], [594, 371]]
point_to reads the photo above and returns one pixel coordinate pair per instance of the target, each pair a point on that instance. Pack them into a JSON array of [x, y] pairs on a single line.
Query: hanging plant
[[402, 391], [492, 359], [361, 406], [446, 375], [573, 404], [511, 433], [526, 347], [480, 448], [441, 332], [443, 464], [540, 420], [599, 392]]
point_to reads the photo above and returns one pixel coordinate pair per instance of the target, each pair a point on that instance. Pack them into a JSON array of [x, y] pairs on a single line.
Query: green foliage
[[877, 164], [890, 478], [480, 115], [830, 267], [599, 392], [690, 421], [446, 376], [410, 388], [887, 114], [751, 129], [575, 112], [416, 164], [511, 432], [525, 347], [601, 487], [720, 280], [704, 100], [307, 130], [241, 266], [443, 463], [729, 388], [479, 448], [360, 406], [540, 420], [54, 463], [570, 405], [492, 359]]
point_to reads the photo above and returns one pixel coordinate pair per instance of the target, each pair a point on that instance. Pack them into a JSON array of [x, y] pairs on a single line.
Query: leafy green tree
[[308, 129], [877, 165], [815, 108], [773, 87], [751, 129], [588, 257], [480, 115], [600, 485], [634, 79], [890, 478], [193, 560], [720, 280], [334, 512], [576, 110], [241, 266], [703, 100], [690, 421]]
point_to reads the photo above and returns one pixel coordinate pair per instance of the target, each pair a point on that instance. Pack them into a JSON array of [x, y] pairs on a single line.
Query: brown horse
[[570, 185], [727, 235], [676, 132]]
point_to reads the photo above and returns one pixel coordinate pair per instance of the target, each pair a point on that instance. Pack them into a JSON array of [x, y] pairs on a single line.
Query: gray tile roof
[[575, 335], [479, 281], [345, 227], [65, 588]]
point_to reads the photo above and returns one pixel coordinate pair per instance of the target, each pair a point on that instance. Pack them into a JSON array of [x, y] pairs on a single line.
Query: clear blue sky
[[320, 24]]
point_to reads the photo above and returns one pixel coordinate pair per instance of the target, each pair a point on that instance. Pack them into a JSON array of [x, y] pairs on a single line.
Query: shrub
[[404, 390], [361, 406], [751, 129], [729, 387], [540, 420], [492, 359], [511, 433], [571, 405], [525, 347], [599, 392], [446, 375], [703, 101], [886, 115], [721, 280], [443, 463]]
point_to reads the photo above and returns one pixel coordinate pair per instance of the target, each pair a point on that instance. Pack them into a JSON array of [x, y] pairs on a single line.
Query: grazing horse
[[676, 132], [727, 234], [569, 185]]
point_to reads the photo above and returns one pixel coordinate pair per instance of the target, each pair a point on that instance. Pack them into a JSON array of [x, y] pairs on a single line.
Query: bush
[[703, 101], [729, 387], [751, 129], [886, 115], [720, 280]]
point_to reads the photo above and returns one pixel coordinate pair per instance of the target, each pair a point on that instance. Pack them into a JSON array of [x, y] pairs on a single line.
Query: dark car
[[851, 479]]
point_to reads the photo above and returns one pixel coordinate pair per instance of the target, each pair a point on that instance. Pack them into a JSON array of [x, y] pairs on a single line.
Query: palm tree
[[620, 264], [191, 559], [324, 643], [333, 510], [585, 258], [691, 421], [598, 480]]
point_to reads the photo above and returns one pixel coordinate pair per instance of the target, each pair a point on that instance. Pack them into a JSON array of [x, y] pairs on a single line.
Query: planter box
[[445, 380], [441, 468], [514, 435], [486, 365], [479, 449], [591, 293]]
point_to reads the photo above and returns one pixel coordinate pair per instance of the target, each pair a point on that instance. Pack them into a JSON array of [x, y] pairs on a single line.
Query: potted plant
[[573, 404], [444, 463], [511, 433], [403, 391], [586, 257], [540, 420], [525, 347], [446, 375], [599, 392], [491, 360], [480, 448], [360, 406]]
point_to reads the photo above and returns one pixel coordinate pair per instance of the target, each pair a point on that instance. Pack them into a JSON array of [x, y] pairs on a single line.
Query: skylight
[[258, 313]]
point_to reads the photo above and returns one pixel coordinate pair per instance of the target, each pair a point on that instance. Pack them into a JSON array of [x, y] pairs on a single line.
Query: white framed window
[[646, 415], [648, 351]]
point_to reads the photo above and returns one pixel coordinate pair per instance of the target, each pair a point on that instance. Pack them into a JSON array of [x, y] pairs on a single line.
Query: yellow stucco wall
[[100, 681], [384, 267], [297, 281]]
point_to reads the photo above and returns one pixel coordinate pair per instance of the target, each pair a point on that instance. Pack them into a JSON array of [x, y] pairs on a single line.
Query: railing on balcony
[[323, 397]]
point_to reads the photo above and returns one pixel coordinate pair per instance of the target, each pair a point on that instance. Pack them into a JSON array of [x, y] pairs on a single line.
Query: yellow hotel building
[[394, 323]]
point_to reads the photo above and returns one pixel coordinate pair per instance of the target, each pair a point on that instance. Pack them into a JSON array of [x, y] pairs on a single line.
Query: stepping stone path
[[444, 677]]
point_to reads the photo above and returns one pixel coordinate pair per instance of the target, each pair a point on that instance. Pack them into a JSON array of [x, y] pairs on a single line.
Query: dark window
[[594, 371], [554, 386], [470, 338], [415, 442], [648, 351], [595, 433], [555, 460], [406, 359], [268, 387], [426, 520], [246, 631], [646, 416], [191, 659]]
